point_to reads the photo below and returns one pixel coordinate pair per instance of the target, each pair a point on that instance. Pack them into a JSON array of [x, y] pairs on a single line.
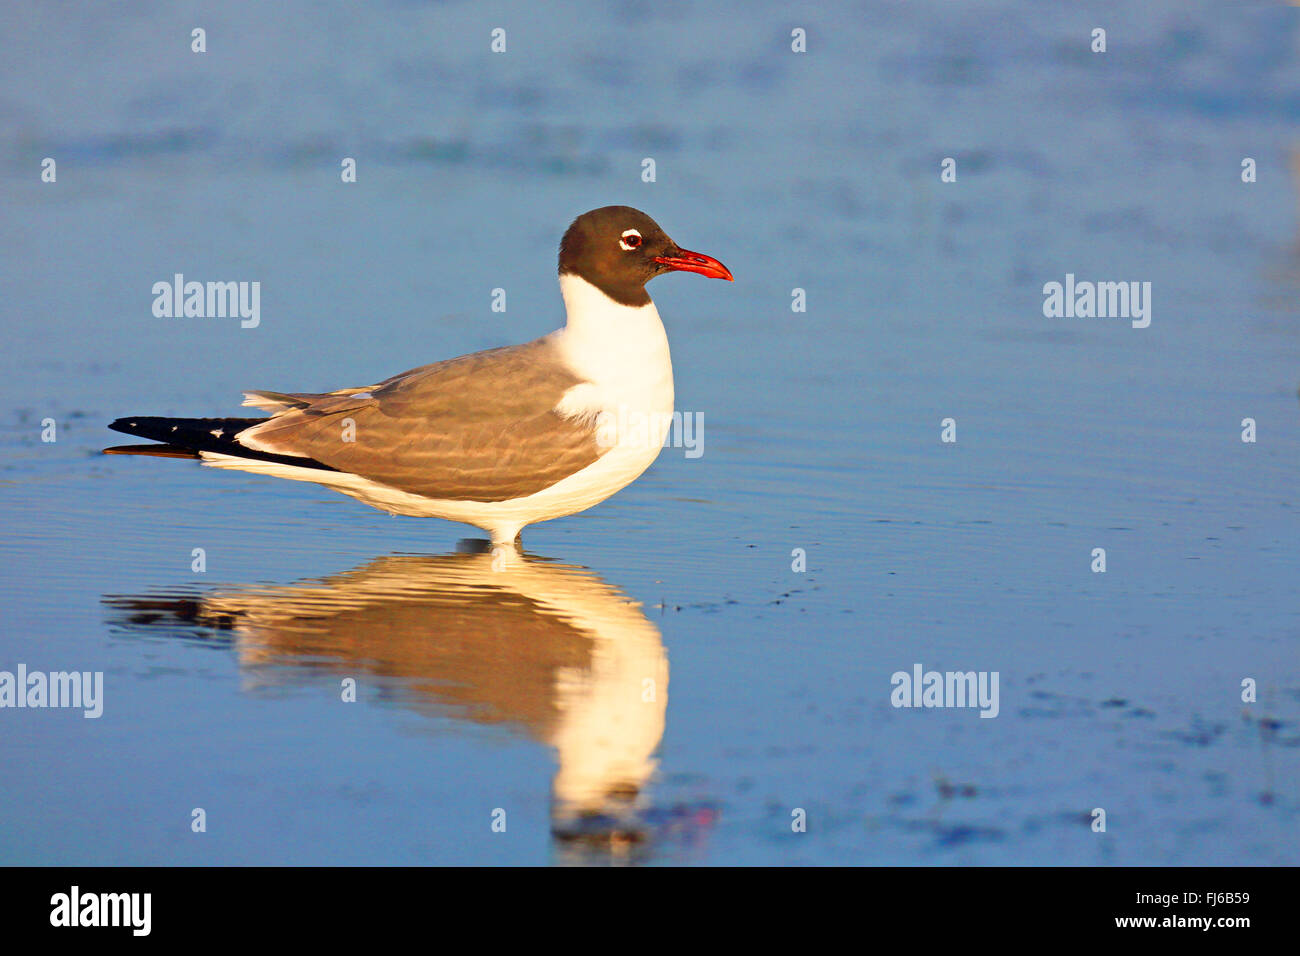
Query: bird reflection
[[493, 637]]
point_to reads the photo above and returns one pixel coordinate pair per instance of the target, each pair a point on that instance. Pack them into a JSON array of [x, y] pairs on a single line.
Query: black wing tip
[[192, 437], [143, 424]]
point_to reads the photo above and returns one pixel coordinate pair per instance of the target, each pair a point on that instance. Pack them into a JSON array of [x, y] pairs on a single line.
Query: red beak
[[687, 261]]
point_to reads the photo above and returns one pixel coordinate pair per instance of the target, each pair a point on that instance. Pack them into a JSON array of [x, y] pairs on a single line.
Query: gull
[[498, 439]]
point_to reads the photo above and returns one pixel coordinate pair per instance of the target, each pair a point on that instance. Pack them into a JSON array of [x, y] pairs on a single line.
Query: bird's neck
[[603, 339]]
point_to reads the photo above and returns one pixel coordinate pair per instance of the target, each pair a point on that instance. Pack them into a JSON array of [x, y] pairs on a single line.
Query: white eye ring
[[630, 234]]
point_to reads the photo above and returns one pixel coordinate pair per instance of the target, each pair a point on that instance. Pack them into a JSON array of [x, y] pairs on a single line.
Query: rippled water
[[523, 689]]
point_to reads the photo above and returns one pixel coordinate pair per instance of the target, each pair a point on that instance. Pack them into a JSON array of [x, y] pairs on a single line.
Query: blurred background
[[524, 691]]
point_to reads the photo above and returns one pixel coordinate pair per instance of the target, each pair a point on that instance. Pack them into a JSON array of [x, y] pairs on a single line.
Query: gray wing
[[482, 427]]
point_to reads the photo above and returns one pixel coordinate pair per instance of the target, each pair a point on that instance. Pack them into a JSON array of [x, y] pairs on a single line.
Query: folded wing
[[482, 427]]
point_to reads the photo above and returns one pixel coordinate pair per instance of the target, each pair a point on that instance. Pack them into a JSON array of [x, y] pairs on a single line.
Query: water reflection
[[491, 637]]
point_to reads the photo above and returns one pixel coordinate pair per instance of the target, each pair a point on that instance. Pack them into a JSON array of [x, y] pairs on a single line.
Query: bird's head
[[619, 249]]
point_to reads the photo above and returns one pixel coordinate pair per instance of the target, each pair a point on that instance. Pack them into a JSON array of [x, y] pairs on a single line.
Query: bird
[[498, 439]]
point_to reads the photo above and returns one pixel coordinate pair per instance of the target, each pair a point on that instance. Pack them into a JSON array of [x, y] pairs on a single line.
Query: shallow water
[[523, 689]]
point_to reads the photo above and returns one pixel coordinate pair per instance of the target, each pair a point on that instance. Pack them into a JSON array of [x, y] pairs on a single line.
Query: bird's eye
[[630, 240]]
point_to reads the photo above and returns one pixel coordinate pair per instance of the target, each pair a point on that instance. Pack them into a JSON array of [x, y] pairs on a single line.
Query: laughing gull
[[498, 439]]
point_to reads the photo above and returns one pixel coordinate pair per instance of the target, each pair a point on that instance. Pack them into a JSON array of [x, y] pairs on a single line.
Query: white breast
[[621, 352]]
